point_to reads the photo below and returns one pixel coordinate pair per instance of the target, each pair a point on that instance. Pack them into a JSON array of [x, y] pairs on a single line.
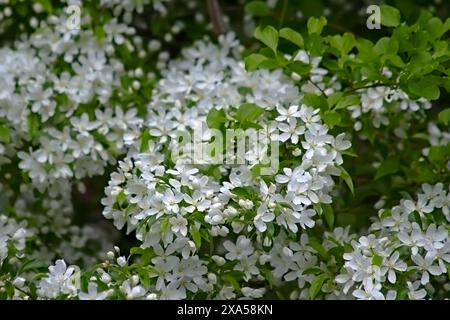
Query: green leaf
[[348, 101], [196, 236], [145, 139], [4, 133], [268, 275], [387, 167], [100, 33], [417, 218], [334, 98], [21, 8], [425, 87], [332, 118], [268, 36], [165, 226], [138, 251], [444, 116], [377, 260], [420, 64], [395, 60], [387, 46], [121, 198], [47, 5], [245, 192], [390, 16], [216, 118], [344, 44], [270, 64], [33, 125], [10, 289], [248, 112], [421, 136], [347, 179], [316, 25], [316, 285], [328, 213], [232, 280], [292, 36], [257, 9], [435, 27], [316, 44], [300, 68], [316, 245], [439, 153], [253, 61], [313, 100]]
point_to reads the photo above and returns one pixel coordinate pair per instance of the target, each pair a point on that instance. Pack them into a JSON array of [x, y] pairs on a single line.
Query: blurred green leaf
[[316, 285], [316, 25], [269, 36], [444, 116], [248, 112], [293, 36], [390, 16], [387, 167], [257, 9]]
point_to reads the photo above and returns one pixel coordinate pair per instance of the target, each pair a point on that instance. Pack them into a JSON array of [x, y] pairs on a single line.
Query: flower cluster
[[61, 280], [408, 247], [320, 80], [223, 164], [175, 207], [438, 138], [12, 237], [50, 84], [380, 100]]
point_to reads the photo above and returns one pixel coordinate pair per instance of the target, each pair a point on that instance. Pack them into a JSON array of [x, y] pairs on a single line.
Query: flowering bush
[[237, 160]]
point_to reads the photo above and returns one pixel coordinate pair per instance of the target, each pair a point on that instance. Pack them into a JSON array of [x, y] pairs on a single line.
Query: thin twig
[[319, 88], [374, 85], [216, 17], [283, 14]]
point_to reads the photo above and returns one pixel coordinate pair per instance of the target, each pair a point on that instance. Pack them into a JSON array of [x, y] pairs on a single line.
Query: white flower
[[82, 124], [340, 145], [391, 265], [301, 262], [60, 272], [426, 265], [290, 131], [397, 220], [413, 239], [92, 293], [263, 215], [434, 238], [370, 292], [132, 292], [309, 115], [253, 293], [241, 250], [60, 280], [289, 219], [305, 218], [414, 293], [421, 206], [374, 98], [286, 114], [171, 199], [179, 224], [346, 280], [197, 202]]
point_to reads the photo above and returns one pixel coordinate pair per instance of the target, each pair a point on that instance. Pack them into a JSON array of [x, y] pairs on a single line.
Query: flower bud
[[121, 261], [218, 260], [110, 255]]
